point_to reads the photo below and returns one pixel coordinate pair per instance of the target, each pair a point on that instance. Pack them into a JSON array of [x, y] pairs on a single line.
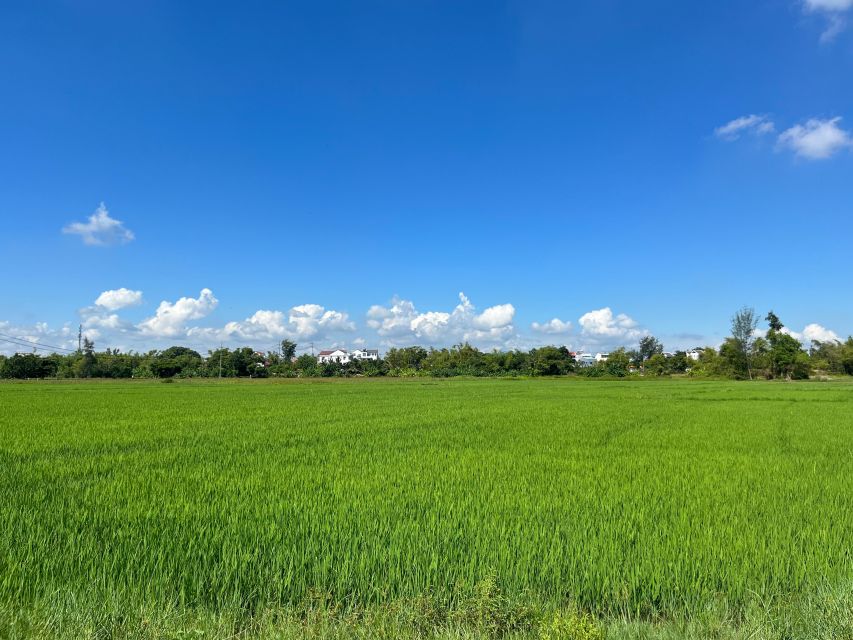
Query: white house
[[365, 354], [694, 354], [583, 359], [601, 357], [342, 356]]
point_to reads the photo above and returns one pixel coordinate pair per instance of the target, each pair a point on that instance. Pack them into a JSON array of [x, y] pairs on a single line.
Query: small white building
[[583, 359], [342, 356], [365, 354], [601, 357], [695, 354]]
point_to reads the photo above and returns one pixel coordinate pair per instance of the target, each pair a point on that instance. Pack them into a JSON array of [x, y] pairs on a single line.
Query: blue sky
[[584, 172]]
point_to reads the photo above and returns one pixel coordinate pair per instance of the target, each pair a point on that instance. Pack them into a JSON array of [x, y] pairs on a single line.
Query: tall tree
[[288, 350], [744, 323], [649, 346]]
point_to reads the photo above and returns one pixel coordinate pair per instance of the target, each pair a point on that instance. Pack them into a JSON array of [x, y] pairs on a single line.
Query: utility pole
[[80, 339]]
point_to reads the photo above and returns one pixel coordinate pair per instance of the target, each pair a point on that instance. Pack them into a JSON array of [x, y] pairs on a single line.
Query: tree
[[731, 360], [679, 363], [617, 363], [551, 361], [27, 365], [774, 322], [847, 356], [288, 350], [786, 354], [406, 358], [176, 361], [86, 366], [744, 323], [657, 364], [827, 356], [649, 346]]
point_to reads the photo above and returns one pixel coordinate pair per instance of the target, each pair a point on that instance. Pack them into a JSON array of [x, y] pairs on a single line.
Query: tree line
[[746, 354]]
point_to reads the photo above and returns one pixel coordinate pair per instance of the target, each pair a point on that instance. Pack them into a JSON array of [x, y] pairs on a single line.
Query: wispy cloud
[[100, 229], [835, 11], [733, 129]]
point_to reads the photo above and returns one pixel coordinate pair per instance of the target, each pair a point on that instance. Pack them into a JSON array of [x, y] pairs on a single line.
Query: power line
[[23, 342], [27, 345]]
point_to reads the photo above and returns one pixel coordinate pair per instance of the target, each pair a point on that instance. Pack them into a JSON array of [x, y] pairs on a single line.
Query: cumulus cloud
[[755, 124], [100, 229], [302, 322], [554, 326], [816, 139], [402, 323], [115, 299], [601, 326], [812, 333], [816, 333], [171, 317]]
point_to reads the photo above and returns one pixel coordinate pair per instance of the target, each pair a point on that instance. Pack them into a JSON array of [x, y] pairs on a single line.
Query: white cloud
[[752, 123], [554, 326], [170, 318], [828, 5], [302, 322], [500, 315], [100, 229], [115, 299], [811, 333], [816, 333], [816, 139], [23, 336], [602, 327], [836, 25], [106, 321], [834, 10], [402, 323]]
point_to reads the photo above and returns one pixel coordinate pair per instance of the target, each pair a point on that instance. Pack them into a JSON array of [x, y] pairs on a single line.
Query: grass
[[398, 508]]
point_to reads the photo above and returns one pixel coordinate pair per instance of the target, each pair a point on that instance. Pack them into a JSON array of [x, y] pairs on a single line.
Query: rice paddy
[[640, 502]]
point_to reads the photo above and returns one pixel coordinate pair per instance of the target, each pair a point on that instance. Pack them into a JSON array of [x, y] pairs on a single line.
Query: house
[[365, 354], [342, 356], [695, 353], [601, 357], [583, 359]]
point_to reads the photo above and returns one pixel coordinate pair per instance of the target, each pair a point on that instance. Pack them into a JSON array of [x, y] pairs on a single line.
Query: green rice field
[[545, 508]]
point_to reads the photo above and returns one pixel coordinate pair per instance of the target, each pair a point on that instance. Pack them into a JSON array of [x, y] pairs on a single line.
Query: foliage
[[571, 625], [744, 323]]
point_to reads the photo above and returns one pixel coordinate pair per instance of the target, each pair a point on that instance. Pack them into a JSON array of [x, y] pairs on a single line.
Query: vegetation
[[743, 355], [427, 508]]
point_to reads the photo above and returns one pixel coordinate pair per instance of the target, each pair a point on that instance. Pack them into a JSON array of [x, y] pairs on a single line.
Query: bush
[[571, 625]]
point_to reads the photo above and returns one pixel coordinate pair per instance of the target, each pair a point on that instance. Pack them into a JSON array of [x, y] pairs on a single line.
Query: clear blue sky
[[561, 158]]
